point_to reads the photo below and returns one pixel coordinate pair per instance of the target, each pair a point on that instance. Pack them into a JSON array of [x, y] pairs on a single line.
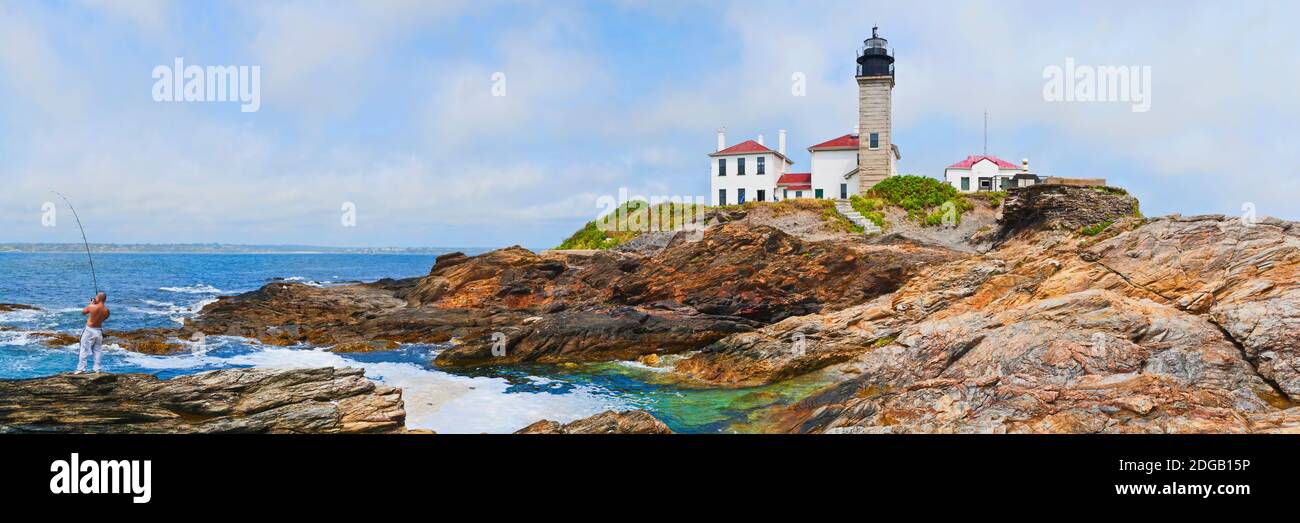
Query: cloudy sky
[[390, 106]]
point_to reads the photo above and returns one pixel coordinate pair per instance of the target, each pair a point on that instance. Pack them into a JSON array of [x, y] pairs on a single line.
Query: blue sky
[[389, 106]]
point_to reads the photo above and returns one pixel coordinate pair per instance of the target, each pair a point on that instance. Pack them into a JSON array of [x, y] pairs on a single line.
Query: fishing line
[[83, 241]]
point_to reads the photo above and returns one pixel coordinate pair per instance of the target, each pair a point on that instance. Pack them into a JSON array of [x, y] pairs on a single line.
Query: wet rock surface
[[608, 422], [324, 400]]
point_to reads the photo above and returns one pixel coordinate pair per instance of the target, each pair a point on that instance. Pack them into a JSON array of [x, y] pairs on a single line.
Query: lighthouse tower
[[877, 153]]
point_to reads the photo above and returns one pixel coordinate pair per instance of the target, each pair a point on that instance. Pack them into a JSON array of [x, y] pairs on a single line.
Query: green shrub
[[1095, 229], [996, 197], [921, 196], [913, 192]]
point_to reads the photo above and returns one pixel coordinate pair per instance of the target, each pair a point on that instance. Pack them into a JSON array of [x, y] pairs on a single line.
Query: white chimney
[[780, 142], [722, 139], [1024, 165], [760, 139]]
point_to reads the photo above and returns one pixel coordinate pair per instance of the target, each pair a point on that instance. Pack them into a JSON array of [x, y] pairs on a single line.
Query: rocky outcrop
[[608, 422], [804, 344], [10, 307], [603, 334], [1093, 361], [764, 274], [1047, 206], [1245, 276], [513, 277], [512, 306], [322, 400]]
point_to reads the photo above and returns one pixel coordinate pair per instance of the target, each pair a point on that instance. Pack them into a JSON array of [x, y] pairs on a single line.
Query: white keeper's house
[[841, 167], [985, 172]]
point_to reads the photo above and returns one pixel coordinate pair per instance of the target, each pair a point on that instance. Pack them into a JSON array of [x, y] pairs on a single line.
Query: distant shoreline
[[55, 248]]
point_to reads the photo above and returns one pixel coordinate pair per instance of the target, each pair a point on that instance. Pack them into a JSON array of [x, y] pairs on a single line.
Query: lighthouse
[[877, 154]]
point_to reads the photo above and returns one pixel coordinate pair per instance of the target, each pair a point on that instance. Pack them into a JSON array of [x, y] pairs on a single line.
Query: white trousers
[[92, 340]]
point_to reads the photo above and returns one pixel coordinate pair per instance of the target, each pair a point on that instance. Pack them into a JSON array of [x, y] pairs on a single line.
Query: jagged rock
[[324, 400], [602, 334], [558, 308], [804, 344], [56, 339], [608, 422], [1245, 276], [761, 273], [513, 277], [1067, 207], [1093, 361], [10, 307]]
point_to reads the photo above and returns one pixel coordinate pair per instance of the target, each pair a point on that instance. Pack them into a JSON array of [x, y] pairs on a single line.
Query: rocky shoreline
[[297, 401], [1070, 313]]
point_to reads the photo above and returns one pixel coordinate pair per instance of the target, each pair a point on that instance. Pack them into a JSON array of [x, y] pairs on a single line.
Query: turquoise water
[[161, 290]]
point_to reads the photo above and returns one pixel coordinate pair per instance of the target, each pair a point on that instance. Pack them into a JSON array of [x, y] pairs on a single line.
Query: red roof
[[847, 141], [750, 147], [973, 159], [794, 178], [798, 187], [747, 146]]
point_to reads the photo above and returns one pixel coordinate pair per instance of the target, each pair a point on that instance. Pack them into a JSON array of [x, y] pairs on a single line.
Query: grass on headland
[[635, 217], [629, 221], [925, 199]]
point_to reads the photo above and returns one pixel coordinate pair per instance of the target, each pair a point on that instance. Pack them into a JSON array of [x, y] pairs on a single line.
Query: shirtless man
[[92, 338]]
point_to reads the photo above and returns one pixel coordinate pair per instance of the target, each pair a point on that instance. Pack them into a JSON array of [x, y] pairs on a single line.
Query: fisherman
[[92, 338]]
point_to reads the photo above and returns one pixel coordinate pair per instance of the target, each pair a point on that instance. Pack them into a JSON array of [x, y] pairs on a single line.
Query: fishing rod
[[83, 240]]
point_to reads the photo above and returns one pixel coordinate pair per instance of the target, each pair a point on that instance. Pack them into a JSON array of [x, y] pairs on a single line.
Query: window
[[844, 191], [785, 193], [875, 140], [986, 184], [760, 194], [761, 169], [740, 166], [722, 166], [722, 196], [965, 183], [817, 194], [740, 196], [798, 194]]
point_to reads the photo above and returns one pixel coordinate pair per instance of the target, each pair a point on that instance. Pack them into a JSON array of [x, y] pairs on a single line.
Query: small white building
[[835, 167], [983, 173], [795, 185], [747, 171]]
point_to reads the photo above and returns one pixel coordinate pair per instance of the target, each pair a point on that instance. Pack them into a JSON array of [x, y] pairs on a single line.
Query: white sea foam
[[16, 338], [435, 400], [176, 313], [193, 289]]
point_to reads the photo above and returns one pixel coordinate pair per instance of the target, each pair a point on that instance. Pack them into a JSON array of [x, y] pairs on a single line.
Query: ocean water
[[161, 290]]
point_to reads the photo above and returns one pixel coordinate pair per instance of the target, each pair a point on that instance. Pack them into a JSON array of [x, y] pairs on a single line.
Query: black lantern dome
[[875, 58]]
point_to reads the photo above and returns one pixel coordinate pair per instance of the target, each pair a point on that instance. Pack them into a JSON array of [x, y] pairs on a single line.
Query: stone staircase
[[844, 208]]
